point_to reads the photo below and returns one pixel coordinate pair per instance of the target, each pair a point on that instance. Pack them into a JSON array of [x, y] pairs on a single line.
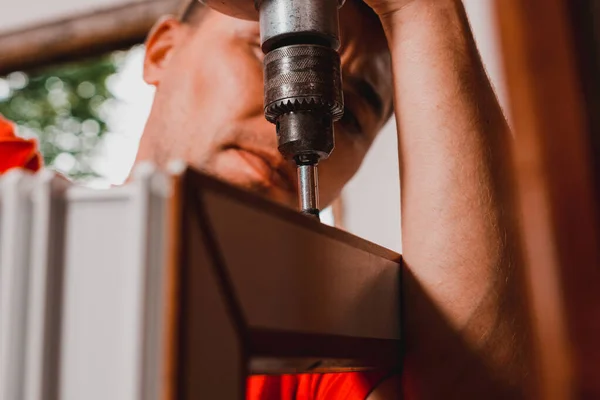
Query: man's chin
[[234, 168]]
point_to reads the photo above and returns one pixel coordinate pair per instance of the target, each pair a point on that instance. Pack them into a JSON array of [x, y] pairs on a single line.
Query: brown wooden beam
[[84, 35], [554, 174]]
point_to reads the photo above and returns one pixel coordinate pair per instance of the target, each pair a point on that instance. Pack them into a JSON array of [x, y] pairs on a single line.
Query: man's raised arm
[[464, 323]]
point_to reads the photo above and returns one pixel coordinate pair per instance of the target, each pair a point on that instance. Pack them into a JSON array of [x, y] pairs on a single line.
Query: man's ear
[[162, 40]]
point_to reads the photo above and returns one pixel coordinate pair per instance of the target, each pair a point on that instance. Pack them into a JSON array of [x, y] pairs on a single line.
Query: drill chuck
[[303, 77], [303, 84], [303, 97]]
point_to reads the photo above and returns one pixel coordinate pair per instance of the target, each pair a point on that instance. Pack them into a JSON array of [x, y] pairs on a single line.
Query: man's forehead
[[364, 52], [186, 6]]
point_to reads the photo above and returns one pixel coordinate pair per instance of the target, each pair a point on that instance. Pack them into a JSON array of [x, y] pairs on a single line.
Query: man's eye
[[350, 121]]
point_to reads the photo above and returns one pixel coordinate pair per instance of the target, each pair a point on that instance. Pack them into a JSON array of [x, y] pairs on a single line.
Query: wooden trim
[[555, 194], [84, 35], [288, 214], [585, 15], [359, 354], [172, 288]]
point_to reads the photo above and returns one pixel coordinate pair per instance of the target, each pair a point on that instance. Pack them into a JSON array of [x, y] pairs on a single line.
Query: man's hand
[[464, 325], [385, 8]]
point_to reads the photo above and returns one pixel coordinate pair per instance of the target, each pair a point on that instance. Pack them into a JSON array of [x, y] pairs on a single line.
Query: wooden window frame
[[84, 35]]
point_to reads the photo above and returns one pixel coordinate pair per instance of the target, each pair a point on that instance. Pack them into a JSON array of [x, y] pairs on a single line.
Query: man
[[463, 323]]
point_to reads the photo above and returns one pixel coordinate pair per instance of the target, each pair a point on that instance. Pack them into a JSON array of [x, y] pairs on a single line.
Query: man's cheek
[[220, 164]]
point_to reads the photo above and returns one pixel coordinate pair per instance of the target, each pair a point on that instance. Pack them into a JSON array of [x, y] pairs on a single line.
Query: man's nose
[[265, 133]]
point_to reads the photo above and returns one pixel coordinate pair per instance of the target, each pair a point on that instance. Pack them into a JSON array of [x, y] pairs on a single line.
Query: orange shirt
[[348, 386], [17, 152], [20, 153]]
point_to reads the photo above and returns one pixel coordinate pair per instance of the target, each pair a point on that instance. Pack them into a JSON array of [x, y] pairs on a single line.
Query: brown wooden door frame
[[556, 196]]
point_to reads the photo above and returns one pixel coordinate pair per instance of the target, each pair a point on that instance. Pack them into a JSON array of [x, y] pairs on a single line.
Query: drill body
[[302, 79]]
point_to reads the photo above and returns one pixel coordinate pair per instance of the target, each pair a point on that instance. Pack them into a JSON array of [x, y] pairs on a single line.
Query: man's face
[[208, 109]]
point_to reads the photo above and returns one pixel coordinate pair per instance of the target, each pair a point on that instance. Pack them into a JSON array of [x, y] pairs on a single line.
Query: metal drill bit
[[308, 189]]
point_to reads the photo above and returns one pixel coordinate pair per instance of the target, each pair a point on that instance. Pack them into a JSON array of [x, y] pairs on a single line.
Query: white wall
[[372, 198]]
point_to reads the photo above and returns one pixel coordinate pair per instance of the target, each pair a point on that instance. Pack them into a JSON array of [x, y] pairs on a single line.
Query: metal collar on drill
[[258, 2]]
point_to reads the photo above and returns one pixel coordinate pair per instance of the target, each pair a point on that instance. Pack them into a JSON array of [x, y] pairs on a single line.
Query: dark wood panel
[[585, 15], [263, 289]]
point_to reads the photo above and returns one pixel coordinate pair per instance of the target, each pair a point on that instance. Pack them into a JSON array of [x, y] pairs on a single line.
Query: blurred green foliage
[[63, 107]]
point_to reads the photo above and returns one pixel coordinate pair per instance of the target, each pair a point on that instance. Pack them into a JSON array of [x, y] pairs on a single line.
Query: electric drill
[[302, 79]]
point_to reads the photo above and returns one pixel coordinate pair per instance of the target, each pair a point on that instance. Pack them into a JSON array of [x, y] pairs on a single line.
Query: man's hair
[[190, 11]]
